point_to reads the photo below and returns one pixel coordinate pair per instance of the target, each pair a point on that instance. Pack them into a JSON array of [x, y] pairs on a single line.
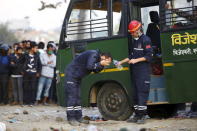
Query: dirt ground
[[42, 118]]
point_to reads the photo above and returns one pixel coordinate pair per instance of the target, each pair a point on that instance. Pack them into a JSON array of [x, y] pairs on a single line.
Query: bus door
[[148, 13], [179, 48]]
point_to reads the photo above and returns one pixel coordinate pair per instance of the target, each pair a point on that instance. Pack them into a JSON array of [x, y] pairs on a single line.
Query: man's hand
[[50, 62], [123, 61], [37, 74], [133, 61], [12, 63], [105, 62]]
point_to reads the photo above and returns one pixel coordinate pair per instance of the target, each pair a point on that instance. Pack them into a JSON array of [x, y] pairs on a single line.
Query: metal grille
[[178, 18]]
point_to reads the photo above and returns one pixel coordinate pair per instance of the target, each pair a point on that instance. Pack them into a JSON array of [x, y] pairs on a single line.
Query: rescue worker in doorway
[[82, 65], [140, 56]]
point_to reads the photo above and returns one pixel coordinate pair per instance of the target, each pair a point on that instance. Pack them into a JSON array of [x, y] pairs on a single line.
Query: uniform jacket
[[84, 64], [141, 48]]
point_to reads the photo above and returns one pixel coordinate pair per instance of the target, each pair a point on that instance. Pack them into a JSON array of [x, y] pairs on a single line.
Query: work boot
[[133, 119], [74, 123], [141, 120], [82, 120]]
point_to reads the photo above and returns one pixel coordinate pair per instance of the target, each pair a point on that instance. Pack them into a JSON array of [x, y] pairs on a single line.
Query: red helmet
[[134, 25]]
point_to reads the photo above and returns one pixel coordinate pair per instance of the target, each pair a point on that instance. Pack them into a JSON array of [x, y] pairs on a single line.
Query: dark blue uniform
[[82, 65], [141, 72]]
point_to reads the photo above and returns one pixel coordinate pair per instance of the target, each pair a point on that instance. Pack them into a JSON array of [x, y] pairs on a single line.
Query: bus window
[[117, 9], [134, 12], [180, 14], [77, 25], [99, 26], [87, 20]]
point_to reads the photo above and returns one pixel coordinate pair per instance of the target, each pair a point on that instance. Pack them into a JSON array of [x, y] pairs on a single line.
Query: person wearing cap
[[4, 73], [54, 46], [140, 56]]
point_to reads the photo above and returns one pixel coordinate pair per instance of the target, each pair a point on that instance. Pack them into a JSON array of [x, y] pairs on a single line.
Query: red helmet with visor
[[134, 25]]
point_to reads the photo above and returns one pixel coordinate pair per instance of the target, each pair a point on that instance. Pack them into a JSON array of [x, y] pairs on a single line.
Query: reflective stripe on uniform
[[138, 48], [95, 65], [77, 108], [70, 108], [147, 82], [142, 107], [70, 82], [135, 107]]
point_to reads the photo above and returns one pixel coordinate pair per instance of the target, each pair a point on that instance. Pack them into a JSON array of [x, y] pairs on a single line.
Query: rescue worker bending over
[[140, 57], [82, 65]]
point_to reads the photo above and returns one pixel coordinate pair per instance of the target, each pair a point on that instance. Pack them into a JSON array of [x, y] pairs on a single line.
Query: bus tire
[[113, 103]]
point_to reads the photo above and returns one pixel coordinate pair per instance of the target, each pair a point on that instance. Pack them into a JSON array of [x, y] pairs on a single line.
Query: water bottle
[[95, 117], [117, 65], [188, 107]]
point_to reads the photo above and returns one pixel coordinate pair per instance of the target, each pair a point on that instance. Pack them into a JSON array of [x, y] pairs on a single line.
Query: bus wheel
[[113, 103]]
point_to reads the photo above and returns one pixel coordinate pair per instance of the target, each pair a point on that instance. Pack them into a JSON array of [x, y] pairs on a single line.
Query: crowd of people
[[27, 73]]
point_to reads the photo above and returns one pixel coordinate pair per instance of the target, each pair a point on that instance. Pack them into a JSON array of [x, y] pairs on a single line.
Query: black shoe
[[82, 120], [133, 119], [74, 123], [141, 120]]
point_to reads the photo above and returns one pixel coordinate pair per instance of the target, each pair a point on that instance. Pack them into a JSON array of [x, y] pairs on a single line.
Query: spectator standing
[[48, 61], [54, 47], [27, 46], [15, 45], [20, 44], [31, 69], [41, 47], [53, 95], [16, 64], [4, 73]]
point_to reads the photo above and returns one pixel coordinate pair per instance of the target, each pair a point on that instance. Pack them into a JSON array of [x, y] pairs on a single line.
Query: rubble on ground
[[53, 118]]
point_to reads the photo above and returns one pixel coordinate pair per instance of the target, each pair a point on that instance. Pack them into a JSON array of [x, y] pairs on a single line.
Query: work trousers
[[73, 100], [141, 84]]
